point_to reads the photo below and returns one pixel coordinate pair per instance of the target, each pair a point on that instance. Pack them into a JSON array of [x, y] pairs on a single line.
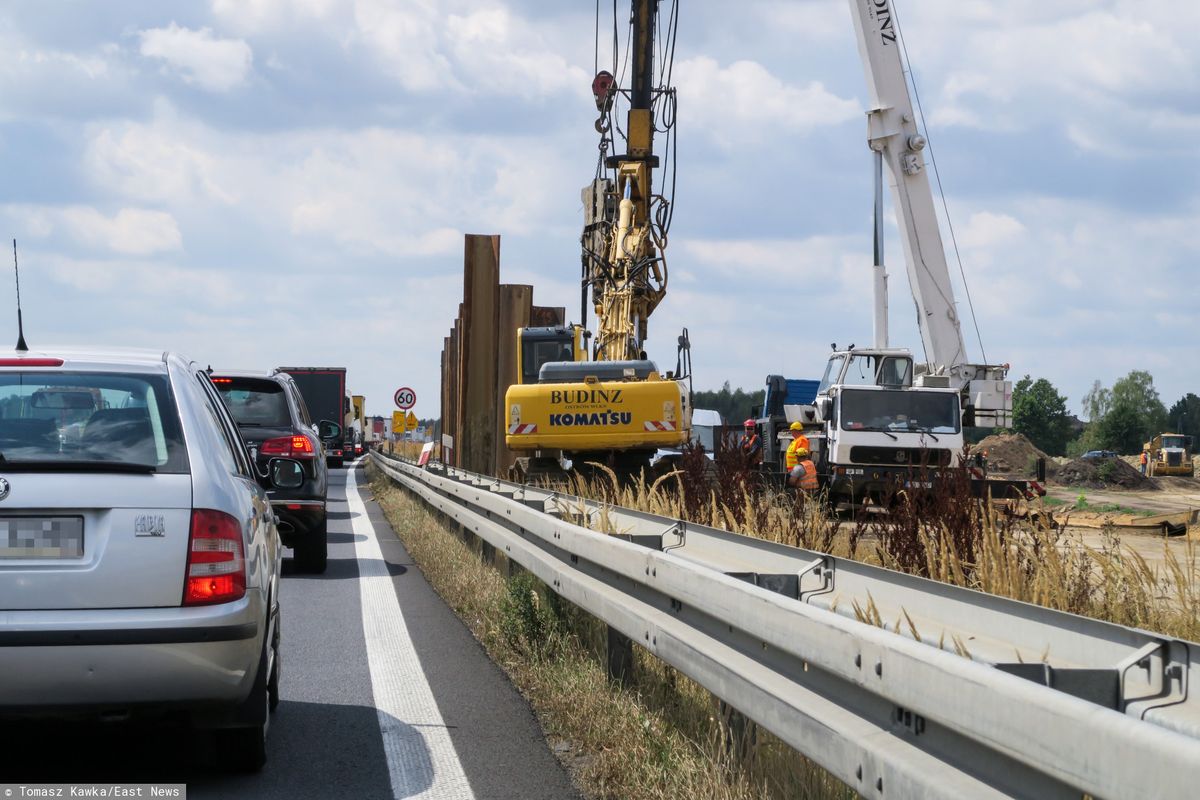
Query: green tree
[[1096, 401], [1137, 391], [734, 405], [1040, 413], [1184, 416], [1126, 416], [1088, 440], [1122, 429]]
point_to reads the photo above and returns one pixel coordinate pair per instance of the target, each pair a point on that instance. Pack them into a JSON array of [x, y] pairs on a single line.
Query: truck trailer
[[324, 392]]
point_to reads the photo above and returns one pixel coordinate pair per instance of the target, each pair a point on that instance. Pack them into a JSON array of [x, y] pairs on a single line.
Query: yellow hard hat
[[796, 426], [801, 451]]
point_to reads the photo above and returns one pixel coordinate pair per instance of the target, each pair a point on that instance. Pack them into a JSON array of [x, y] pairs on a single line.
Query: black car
[[274, 422]]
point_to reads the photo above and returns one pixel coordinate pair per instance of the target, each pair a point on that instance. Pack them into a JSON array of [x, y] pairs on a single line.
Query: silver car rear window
[[94, 421]]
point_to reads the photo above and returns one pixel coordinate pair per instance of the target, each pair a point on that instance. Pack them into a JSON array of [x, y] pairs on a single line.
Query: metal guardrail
[[962, 694]]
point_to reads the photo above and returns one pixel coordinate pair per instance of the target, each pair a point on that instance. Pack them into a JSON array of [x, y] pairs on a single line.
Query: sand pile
[[1103, 473], [1014, 455]]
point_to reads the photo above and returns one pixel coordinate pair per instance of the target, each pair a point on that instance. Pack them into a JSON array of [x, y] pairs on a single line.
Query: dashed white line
[[422, 761]]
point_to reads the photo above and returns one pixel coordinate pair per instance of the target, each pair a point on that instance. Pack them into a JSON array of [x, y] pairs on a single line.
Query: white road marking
[[421, 757]]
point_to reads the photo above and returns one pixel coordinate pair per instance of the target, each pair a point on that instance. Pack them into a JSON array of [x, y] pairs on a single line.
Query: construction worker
[[803, 475], [799, 441], [750, 444], [1143, 461]]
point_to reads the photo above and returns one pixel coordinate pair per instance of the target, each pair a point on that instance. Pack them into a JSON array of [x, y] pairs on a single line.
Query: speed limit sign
[[405, 398]]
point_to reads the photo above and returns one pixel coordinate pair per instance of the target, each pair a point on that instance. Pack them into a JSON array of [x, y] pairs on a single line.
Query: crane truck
[[616, 407], [878, 416]]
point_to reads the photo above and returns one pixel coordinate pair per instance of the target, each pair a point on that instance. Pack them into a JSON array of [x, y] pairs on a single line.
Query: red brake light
[[216, 566], [222, 380], [31, 362], [277, 447], [288, 447]]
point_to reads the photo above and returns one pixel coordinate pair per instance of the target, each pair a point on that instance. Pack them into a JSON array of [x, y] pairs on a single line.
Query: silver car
[[139, 557]]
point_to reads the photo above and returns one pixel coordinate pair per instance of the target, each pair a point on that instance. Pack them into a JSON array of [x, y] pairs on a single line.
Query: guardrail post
[[739, 733], [487, 552], [620, 657]]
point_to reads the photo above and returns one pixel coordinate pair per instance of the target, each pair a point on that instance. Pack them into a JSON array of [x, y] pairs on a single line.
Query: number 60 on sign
[[405, 398]]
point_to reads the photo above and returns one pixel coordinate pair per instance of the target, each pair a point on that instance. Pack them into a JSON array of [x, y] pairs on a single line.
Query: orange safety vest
[[790, 458], [1144, 457], [808, 481]]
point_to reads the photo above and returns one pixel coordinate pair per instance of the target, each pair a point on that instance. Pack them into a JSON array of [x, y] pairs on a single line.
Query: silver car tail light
[[216, 564]]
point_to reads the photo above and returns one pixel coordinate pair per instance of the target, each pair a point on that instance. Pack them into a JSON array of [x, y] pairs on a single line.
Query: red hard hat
[[748, 423]]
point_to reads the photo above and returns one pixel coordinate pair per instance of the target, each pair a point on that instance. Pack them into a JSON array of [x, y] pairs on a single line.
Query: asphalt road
[[384, 694]]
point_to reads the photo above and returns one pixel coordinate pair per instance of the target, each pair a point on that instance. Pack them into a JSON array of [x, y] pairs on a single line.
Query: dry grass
[[663, 737], [409, 450], [949, 537]]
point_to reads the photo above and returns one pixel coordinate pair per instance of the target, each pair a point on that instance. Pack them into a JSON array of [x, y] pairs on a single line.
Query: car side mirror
[[286, 473], [329, 430]]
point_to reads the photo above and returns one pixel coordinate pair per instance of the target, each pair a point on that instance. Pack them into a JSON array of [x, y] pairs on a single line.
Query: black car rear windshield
[[255, 402], [89, 421]]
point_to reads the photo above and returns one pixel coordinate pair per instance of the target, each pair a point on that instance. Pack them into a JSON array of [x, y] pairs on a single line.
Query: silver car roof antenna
[[21, 346]]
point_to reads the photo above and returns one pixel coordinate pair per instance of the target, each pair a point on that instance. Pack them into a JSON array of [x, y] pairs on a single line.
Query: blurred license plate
[[41, 537], [919, 484]]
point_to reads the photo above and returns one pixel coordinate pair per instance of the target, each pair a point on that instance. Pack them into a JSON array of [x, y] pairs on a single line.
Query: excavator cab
[[539, 346]]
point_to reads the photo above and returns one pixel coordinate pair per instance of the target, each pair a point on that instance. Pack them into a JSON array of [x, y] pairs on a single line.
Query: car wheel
[[312, 554], [244, 749], [277, 670]]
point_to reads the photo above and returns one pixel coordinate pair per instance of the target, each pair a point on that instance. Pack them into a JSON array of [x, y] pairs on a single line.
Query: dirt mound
[[1013, 454], [1104, 473]]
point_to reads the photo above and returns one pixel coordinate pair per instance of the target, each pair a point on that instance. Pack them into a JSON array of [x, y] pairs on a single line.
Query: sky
[[258, 182]]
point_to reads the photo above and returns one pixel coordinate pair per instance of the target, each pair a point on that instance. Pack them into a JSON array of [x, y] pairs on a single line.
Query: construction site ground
[[1172, 494]]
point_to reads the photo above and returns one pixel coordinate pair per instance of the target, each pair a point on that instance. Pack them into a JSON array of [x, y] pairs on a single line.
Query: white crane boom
[[892, 131], [893, 134]]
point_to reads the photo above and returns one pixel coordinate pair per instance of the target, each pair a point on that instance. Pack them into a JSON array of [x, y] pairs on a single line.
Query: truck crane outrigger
[[615, 408]]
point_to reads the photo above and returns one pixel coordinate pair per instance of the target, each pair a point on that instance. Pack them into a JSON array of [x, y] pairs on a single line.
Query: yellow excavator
[[616, 407]]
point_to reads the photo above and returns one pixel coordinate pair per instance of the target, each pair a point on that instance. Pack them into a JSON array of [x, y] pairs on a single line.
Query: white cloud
[[154, 163], [131, 231], [216, 65], [375, 191], [405, 38], [987, 229], [254, 16], [1095, 69], [751, 103], [429, 46], [183, 287]]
